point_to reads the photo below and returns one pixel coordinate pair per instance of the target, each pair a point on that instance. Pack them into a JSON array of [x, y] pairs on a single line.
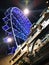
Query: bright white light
[[26, 11], [48, 7], [9, 40], [47, 2]]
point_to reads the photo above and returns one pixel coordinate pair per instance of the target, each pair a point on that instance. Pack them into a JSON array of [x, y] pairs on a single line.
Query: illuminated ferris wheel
[[16, 24]]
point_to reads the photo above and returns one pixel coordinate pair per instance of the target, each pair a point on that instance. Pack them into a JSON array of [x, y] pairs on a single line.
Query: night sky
[[35, 7]]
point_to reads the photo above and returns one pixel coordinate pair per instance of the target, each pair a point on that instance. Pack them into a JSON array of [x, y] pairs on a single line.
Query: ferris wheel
[[16, 24]]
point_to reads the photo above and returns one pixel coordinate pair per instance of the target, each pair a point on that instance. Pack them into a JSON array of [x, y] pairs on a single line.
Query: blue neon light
[[20, 22]]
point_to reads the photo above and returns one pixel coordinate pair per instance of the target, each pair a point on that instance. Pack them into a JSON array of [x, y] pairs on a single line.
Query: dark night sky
[[35, 6]]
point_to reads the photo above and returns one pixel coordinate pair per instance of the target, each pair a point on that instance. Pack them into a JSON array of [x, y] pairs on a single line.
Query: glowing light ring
[[17, 19]]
